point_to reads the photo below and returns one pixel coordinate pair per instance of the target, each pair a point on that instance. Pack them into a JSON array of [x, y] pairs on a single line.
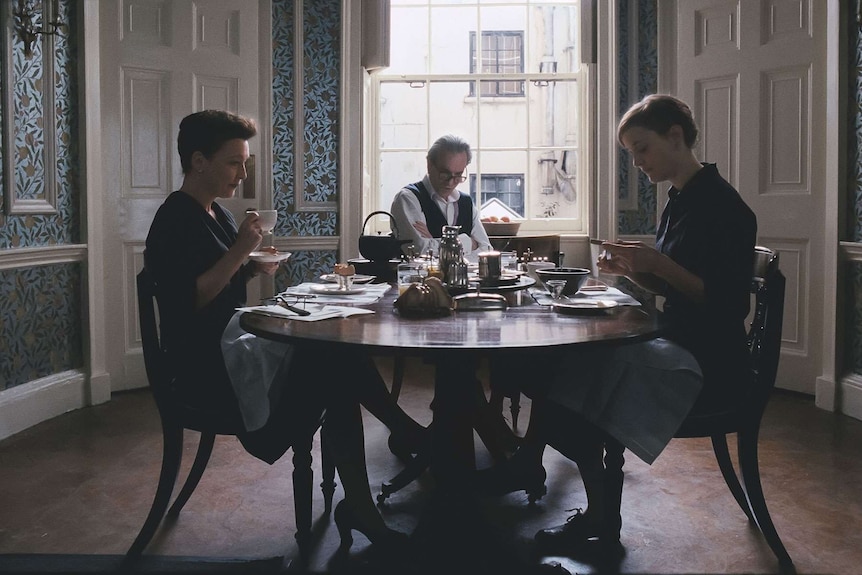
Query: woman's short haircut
[[659, 112], [449, 144], [207, 131]]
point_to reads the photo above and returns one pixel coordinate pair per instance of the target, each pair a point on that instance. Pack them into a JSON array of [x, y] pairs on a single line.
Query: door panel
[[753, 73], [161, 60]]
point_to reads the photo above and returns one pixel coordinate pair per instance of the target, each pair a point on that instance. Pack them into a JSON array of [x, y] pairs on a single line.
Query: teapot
[[379, 247]]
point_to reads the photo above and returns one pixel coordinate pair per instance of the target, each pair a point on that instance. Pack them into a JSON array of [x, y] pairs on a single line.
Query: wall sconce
[[28, 29]]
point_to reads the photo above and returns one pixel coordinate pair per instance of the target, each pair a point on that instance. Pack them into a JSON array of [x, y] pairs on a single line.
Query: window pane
[[552, 185], [450, 113], [403, 115], [450, 39], [408, 27], [397, 169], [501, 169], [554, 46], [554, 109]]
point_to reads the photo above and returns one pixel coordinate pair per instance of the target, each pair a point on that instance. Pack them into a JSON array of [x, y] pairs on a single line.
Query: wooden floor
[[75, 490]]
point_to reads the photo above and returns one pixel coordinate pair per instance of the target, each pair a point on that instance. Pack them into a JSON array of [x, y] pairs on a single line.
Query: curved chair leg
[[397, 376], [303, 477], [751, 478], [327, 470], [202, 457], [172, 451], [722, 455]]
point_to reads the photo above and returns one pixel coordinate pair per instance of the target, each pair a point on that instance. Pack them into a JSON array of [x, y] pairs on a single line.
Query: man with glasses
[[420, 210]]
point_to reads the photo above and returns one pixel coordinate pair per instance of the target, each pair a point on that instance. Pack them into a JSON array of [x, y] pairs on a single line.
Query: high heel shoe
[[346, 520], [513, 475]]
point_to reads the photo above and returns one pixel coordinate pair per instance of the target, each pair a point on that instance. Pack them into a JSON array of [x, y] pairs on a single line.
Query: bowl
[[575, 277], [501, 228]]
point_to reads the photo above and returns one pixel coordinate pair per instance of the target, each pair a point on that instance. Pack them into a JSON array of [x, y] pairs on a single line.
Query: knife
[[294, 309]]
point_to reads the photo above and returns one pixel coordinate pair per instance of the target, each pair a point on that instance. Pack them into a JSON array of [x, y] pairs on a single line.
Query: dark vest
[[435, 219]]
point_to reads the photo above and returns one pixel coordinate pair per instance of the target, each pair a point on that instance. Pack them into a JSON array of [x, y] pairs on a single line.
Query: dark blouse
[[184, 242], [708, 229]]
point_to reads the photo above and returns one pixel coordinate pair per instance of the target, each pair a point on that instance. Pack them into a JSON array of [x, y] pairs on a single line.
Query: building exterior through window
[[508, 78]]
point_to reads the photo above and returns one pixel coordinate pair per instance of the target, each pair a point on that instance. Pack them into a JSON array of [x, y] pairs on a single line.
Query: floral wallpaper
[[40, 307], [642, 220], [27, 116], [854, 190], [40, 322], [321, 22]]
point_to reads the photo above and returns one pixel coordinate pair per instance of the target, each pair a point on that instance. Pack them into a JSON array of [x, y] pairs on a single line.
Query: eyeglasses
[[450, 177]]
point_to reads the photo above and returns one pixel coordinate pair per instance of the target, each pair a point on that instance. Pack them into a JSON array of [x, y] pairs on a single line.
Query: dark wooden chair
[[177, 417], [764, 342]]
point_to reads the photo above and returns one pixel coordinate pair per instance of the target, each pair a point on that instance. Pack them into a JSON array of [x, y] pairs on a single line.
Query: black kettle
[[379, 247]]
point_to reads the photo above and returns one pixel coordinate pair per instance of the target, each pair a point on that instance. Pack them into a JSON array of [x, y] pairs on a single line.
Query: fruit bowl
[[501, 228]]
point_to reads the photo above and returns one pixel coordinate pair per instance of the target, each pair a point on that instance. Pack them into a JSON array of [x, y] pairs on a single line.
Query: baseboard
[[30, 403], [850, 402]]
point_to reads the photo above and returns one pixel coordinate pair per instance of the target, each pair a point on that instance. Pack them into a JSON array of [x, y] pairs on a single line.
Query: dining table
[[453, 344]]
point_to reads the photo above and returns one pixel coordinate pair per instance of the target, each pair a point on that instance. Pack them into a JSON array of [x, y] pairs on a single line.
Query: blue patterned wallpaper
[[320, 99], [641, 221], [40, 322], [40, 307], [321, 23], [853, 277], [27, 116]]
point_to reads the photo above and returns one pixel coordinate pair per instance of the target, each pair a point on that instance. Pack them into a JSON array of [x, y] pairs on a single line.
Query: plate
[[504, 280], [357, 278], [269, 257], [585, 306], [333, 289]]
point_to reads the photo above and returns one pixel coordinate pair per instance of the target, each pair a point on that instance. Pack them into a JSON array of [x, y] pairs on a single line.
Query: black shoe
[[512, 476], [577, 529], [346, 520]]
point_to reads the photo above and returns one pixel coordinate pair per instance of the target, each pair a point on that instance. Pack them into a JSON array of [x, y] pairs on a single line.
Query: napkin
[[542, 297], [318, 312], [370, 294]]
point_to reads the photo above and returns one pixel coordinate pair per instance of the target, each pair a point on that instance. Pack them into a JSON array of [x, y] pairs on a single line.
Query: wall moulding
[[42, 256], [18, 70]]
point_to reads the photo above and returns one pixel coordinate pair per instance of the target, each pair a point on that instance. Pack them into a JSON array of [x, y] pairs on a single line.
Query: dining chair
[[764, 343], [177, 417]]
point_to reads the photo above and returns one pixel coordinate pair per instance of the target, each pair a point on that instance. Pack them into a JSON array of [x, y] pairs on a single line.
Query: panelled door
[[754, 74], [160, 61]]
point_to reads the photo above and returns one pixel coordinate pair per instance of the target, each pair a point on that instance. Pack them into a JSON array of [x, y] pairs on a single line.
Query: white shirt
[[406, 209]]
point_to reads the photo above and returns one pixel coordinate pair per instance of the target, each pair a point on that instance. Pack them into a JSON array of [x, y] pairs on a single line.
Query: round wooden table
[[453, 344]]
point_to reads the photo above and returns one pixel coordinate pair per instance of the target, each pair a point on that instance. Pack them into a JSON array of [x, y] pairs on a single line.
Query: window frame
[[586, 146]]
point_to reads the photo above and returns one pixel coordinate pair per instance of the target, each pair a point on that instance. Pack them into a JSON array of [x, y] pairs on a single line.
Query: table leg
[[453, 459]]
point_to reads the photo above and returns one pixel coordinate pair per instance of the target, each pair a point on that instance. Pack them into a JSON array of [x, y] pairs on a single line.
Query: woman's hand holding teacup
[[249, 235]]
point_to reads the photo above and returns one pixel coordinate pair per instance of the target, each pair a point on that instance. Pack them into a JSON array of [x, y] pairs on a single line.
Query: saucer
[[269, 257], [330, 289]]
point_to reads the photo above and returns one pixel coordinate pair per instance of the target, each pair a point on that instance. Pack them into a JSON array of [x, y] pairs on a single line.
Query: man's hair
[[207, 131], [449, 144], [659, 112]]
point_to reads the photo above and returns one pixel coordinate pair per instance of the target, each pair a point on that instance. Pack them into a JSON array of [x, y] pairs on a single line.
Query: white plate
[[357, 278], [584, 306], [269, 257], [333, 289]]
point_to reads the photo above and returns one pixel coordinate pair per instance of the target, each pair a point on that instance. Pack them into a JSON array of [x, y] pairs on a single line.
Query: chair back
[[155, 360], [764, 334]]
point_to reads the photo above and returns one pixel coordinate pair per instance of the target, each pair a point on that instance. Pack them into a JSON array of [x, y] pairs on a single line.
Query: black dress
[[184, 242], [708, 229]]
